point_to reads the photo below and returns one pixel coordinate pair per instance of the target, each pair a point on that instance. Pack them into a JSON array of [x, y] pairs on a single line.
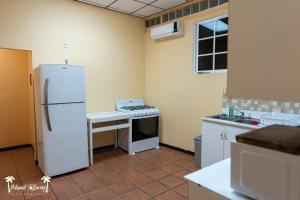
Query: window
[[210, 49]]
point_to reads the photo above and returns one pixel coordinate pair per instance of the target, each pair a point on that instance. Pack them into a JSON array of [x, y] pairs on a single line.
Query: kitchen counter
[[216, 179], [231, 123]]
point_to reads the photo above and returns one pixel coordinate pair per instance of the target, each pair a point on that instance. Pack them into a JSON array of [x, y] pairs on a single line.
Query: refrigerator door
[[66, 144], [61, 84]]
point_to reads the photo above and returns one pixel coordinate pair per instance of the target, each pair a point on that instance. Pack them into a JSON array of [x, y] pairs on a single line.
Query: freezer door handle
[[46, 89]]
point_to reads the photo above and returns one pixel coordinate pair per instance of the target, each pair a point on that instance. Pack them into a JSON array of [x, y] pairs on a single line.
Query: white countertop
[[217, 179], [107, 116], [225, 122]]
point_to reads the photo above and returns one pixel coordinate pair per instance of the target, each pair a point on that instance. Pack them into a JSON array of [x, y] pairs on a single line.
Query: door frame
[[31, 99]]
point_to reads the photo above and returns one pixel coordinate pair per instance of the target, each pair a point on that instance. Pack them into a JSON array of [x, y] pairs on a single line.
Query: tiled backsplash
[[261, 105]]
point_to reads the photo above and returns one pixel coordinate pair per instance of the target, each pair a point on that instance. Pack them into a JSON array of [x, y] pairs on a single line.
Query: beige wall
[[264, 50], [109, 44], [15, 109], [182, 97]]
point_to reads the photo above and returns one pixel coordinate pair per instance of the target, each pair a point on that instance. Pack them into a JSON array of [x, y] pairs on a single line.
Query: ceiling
[[139, 8]]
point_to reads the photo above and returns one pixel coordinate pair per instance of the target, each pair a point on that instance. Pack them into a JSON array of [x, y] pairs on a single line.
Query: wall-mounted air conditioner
[[173, 29]]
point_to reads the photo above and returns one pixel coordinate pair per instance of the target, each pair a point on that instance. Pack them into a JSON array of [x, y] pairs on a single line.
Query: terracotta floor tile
[[97, 165], [171, 181], [134, 162], [47, 196], [192, 167], [38, 182], [4, 174], [117, 198], [143, 155], [8, 169], [134, 195], [144, 167], [157, 174], [113, 161], [30, 173], [67, 192], [182, 190], [181, 173], [103, 171], [170, 195], [33, 180], [154, 189], [140, 180], [184, 163], [187, 157], [128, 172], [101, 194], [61, 182], [81, 197], [158, 163], [28, 167], [114, 175], [122, 187], [87, 181], [5, 156], [111, 178], [10, 196], [171, 168], [168, 158], [24, 162]]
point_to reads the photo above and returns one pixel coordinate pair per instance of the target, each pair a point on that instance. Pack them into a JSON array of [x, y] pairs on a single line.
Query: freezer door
[[66, 144], [61, 84]]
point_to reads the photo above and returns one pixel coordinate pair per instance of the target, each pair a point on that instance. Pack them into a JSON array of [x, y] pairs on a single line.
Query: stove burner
[[143, 107]]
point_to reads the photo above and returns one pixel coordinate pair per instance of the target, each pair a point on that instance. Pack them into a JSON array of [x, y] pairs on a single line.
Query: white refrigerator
[[61, 125]]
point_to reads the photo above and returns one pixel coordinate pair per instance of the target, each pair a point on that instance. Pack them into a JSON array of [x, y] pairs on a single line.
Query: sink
[[226, 117], [241, 120]]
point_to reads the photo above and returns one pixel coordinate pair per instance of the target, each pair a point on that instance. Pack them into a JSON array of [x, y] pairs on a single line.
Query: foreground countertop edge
[[236, 124], [216, 178]]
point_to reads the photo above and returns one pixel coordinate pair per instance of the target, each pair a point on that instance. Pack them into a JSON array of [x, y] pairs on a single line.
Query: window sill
[[213, 71]]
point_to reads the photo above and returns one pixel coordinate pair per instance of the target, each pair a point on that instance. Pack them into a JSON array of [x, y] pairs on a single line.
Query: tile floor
[[154, 174]]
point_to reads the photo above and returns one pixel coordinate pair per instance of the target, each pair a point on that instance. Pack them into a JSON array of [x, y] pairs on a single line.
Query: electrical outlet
[[66, 44]]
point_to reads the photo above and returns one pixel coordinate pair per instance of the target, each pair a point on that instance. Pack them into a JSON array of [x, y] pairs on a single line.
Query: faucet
[[231, 112]]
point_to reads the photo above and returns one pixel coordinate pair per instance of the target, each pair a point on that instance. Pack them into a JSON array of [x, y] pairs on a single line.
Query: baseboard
[[103, 148], [15, 147], [178, 149]]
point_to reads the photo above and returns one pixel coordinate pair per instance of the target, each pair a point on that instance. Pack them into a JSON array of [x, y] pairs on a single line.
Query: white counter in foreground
[[212, 182]]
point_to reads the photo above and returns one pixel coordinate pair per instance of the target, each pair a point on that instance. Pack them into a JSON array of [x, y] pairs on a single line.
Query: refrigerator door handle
[[46, 89]]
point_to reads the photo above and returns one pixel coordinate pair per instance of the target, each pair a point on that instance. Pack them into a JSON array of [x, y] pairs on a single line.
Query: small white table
[[213, 182], [109, 121]]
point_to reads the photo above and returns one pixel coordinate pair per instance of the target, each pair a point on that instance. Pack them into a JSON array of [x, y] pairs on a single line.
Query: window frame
[[196, 46]]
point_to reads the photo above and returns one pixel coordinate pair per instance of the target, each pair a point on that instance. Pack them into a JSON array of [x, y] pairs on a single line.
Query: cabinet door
[[231, 133], [212, 144]]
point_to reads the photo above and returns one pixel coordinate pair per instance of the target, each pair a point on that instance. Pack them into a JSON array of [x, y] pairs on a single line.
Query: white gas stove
[[136, 108], [145, 123]]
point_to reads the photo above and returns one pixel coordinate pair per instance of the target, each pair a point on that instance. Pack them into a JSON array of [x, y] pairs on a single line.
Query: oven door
[[145, 128]]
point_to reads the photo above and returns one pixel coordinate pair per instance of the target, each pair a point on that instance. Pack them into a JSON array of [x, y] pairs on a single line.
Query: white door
[[65, 138], [62, 84], [231, 133], [212, 144]]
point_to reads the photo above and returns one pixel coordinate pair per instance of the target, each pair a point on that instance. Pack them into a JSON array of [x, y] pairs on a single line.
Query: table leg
[[130, 139], [91, 144], [116, 139]]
